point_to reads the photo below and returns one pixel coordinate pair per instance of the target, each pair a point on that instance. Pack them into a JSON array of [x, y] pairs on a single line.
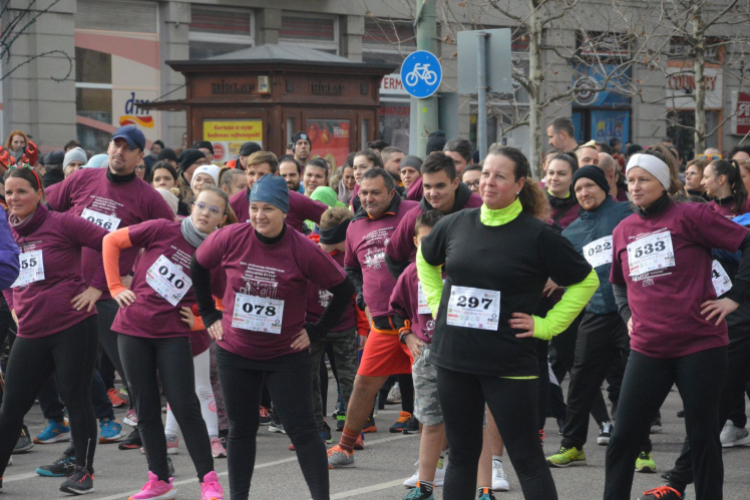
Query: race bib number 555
[[474, 308]]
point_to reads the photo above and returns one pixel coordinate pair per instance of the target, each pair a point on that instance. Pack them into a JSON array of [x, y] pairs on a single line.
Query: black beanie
[[299, 136], [435, 142], [249, 148], [190, 156], [595, 174], [167, 154], [204, 145]]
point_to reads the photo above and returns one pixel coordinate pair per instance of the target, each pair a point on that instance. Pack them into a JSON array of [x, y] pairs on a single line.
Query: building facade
[[84, 66]]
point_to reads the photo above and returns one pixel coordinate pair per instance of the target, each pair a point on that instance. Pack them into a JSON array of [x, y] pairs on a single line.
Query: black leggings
[[71, 356], [291, 391], [513, 404], [108, 339], [647, 382], [173, 359]]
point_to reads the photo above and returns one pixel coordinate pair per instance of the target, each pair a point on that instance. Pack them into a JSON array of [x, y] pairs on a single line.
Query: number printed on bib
[[651, 253], [168, 280], [599, 252], [720, 279], [31, 268], [257, 314], [108, 222], [474, 308]]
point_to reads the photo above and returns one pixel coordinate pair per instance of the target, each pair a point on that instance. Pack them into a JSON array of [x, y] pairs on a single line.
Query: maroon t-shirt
[[267, 273], [366, 240], [151, 315], [405, 300], [725, 209], [401, 245], [666, 302], [43, 307], [301, 208], [105, 201], [318, 298]]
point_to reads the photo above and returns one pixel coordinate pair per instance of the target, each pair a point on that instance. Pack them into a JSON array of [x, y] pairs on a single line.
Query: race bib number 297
[[474, 308]]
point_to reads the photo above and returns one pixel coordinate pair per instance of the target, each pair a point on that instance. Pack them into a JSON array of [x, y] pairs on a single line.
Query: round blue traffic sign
[[421, 74]]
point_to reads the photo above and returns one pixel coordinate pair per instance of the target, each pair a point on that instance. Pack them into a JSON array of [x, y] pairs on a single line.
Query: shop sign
[[741, 119], [227, 136], [134, 115], [680, 87]]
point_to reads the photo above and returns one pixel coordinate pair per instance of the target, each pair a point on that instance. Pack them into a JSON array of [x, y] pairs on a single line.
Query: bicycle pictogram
[[421, 72]]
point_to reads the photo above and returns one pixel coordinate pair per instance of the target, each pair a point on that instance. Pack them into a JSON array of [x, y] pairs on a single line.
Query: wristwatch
[[402, 336]]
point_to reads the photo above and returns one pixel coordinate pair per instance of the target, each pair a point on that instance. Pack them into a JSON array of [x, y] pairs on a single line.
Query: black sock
[[426, 486], [677, 485]]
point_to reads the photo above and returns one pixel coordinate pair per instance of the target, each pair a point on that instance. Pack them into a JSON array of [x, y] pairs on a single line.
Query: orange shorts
[[384, 355]]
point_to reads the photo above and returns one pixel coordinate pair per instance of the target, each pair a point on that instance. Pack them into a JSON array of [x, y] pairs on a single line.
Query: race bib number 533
[[651, 253], [474, 308]]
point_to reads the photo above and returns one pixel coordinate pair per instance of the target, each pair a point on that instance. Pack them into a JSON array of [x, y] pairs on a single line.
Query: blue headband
[[273, 190]]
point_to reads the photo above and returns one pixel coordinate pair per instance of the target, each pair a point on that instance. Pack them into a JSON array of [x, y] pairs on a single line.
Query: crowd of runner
[[222, 294]]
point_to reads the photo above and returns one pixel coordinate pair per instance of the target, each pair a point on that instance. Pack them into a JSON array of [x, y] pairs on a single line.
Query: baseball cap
[[132, 135]]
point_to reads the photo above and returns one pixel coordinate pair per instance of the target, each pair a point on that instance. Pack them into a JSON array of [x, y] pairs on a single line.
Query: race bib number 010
[[31, 268], [599, 252], [651, 253], [108, 222], [720, 279], [474, 308], [168, 280], [257, 314]]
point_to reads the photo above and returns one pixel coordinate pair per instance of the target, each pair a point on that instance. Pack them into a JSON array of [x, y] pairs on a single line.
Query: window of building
[[317, 32], [215, 31], [388, 40], [93, 96]]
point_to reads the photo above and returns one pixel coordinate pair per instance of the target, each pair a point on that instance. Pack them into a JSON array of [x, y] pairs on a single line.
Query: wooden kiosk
[[267, 93]]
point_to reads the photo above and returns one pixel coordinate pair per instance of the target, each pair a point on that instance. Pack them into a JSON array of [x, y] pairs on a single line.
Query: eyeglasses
[[473, 184], [203, 207]]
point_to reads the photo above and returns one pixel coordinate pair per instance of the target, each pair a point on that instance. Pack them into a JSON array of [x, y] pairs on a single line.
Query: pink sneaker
[[173, 447], [155, 489], [131, 418], [210, 487], [217, 449]]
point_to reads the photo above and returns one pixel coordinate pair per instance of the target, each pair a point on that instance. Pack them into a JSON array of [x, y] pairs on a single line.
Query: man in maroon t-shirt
[[301, 208], [366, 239]]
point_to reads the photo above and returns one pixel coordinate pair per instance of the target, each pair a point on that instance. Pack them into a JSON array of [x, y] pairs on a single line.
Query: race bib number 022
[[599, 252], [257, 314], [474, 308]]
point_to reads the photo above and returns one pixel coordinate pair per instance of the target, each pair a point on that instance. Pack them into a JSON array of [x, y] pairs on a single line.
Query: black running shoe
[[412, 426], [24, 442], [62, 467], [132, 442], [171, 466], [79, 483]]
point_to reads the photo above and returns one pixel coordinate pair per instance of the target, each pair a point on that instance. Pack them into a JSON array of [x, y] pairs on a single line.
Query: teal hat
[[273, 190]]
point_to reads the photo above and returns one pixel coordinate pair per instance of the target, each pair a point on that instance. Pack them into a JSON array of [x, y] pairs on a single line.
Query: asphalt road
[[381, 468]]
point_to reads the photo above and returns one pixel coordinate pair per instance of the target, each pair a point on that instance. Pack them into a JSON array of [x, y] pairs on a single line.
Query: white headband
[[653, 166]]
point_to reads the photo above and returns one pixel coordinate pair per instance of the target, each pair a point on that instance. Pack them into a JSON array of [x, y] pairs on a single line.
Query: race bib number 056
[[599, 252], [651, 253], [474, 308], [31, 268], [108, 222], [257, 314], [168, 280]]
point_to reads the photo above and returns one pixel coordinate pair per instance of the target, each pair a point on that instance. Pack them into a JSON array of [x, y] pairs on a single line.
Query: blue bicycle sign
[[421, 74]]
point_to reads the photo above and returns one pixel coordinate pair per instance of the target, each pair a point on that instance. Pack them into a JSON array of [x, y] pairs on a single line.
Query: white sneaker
[[10, 460], [394, 395], [499, 481], [734, 436], [604, 434], [439, 477]]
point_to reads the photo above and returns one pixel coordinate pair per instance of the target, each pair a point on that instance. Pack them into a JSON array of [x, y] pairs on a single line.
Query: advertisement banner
[[329, 140], [589, 79], [606, 125], [227, 136]]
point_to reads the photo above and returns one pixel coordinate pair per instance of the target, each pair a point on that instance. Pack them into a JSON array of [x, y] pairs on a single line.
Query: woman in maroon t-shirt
[[56, 316], [155, 325], [722, 180], [558, 179], [662, 272]]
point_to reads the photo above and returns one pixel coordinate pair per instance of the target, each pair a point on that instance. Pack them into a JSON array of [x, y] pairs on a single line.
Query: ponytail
[[532, 198], [731, 169]]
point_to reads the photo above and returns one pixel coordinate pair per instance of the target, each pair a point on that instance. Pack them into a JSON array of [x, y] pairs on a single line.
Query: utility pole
[[427, 108]]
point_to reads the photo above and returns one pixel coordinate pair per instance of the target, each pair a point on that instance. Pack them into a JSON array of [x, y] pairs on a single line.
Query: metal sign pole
[[482, 94]]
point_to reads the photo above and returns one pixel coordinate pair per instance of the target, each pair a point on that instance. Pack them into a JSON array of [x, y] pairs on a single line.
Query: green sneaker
[[645, 464], [567, 457]]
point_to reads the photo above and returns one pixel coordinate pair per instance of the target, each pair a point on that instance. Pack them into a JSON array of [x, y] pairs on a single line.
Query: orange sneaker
[[360, 444], [370, 426], [115, 399], [400, 424]]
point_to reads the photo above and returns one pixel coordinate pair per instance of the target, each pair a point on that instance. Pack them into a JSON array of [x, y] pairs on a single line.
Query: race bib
[[474, 308], [422, 307], [720, 279], [168, 280], [651, 253], [108, 222], [31, 268], [599, 252], [257, 314]]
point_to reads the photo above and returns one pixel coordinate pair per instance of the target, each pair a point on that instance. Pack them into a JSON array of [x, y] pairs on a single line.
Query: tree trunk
[[699, 64], [536, 80]]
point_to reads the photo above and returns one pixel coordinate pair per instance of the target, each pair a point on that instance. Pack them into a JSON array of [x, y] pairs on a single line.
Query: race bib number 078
[[474, 308], [257, 314]]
